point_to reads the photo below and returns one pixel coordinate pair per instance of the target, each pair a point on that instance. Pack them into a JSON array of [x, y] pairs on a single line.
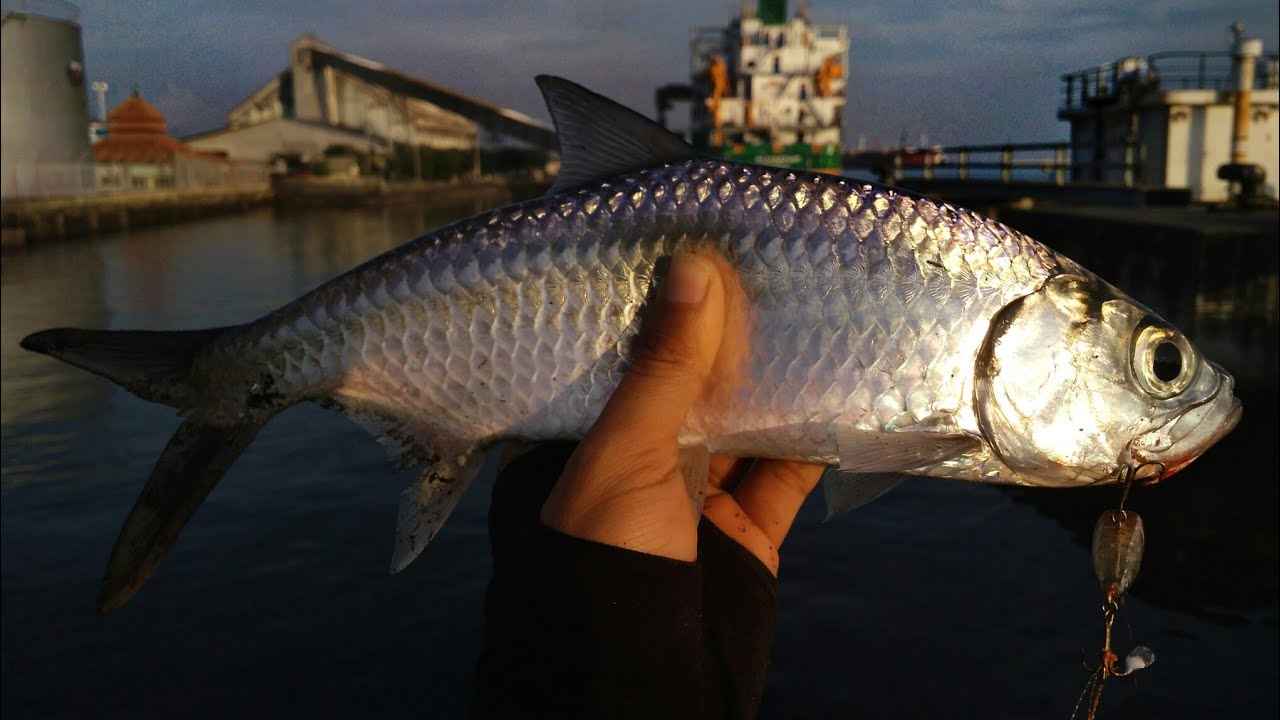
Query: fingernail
[[687, 279]]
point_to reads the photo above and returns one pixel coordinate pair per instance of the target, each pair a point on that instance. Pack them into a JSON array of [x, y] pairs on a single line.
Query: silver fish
[[881, 333]]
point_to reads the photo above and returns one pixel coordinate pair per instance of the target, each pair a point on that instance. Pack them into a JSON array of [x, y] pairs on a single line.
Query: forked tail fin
[[195, 459], [155, 366]]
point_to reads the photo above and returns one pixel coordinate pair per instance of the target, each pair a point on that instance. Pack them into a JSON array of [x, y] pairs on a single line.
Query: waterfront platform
[[980, 195], [38, 219], [1215, 271], [369, 192], [1100, 212], [31, 220], [1104, 224]]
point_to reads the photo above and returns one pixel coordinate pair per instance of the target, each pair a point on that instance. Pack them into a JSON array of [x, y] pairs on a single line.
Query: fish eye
[[1163, 361], [1166, 362]]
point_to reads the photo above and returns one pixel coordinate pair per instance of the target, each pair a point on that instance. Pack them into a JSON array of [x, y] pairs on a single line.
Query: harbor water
[[942, 599]]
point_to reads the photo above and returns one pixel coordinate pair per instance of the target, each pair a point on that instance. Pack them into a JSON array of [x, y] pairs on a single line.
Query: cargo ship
[[767, 89]]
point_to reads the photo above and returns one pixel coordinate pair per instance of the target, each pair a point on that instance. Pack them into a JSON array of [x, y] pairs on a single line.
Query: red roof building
[[139, 154], [137, 133]]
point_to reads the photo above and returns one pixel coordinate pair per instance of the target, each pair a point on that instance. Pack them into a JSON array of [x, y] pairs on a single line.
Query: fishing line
[[1118, 542]]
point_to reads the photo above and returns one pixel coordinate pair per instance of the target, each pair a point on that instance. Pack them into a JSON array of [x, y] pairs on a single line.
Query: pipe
[[1246, 52]]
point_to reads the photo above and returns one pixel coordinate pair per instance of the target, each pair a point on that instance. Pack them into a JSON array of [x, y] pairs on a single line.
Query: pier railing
[[1083, 89], [1052, 162]]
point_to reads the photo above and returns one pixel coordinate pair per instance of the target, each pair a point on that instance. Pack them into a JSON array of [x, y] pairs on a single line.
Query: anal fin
[[429, 501], [451, 463], [406, 446]]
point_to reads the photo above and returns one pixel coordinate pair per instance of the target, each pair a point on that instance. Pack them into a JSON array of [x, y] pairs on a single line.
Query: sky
[[952, 72]]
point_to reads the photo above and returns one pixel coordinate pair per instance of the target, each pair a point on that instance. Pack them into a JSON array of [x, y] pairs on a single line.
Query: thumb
[[673, 355]]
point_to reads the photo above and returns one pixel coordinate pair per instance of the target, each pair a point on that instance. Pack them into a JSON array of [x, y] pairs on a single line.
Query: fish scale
[[583, 294], [884, 333]]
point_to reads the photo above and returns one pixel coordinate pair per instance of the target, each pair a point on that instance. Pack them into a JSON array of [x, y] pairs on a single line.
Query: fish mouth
[[1178, 442]]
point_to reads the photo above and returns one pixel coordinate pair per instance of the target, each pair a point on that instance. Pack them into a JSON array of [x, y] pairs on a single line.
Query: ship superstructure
[[770, 89], [1201, 120]]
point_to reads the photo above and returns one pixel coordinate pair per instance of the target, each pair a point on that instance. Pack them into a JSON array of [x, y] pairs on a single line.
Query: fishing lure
[[1118, 542]]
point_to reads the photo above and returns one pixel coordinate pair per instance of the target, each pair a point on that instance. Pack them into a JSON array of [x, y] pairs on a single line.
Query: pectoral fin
[[873, 463]]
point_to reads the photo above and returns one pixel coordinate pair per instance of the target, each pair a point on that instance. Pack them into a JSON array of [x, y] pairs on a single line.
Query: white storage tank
[[44, 143]]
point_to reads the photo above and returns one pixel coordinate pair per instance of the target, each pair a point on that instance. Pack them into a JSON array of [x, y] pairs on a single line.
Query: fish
[[884, 334]]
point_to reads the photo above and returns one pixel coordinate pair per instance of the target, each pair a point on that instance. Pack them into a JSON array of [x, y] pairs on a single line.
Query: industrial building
[[328, 99], [44, 141]]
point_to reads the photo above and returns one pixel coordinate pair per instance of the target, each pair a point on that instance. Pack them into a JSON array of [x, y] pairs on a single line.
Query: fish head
[[1076, 381]]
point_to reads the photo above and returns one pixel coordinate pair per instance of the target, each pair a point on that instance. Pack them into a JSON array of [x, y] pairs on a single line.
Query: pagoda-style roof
[[138, 133]]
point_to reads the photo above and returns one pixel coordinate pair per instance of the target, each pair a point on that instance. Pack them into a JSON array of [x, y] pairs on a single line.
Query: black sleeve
[[574, 628]]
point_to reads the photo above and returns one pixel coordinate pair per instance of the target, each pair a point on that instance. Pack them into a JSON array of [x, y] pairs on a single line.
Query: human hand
[[623, 485]]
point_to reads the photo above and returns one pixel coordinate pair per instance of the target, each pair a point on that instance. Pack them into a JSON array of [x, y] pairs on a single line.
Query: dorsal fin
[[600, 138]]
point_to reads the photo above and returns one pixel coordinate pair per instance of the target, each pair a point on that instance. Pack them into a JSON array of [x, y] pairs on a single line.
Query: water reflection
[[206, 274], [317, 241], [36, 401]]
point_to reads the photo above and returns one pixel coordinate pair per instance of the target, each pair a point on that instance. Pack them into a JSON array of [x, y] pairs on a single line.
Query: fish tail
[[155, 366], [194, 460]]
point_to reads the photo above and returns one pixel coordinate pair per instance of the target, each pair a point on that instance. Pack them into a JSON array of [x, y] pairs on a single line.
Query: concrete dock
[[39, 219], [370, 192]]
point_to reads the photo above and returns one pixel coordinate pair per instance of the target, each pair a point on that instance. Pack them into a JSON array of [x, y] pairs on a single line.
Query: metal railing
[[1052, 162], [1083, 89]]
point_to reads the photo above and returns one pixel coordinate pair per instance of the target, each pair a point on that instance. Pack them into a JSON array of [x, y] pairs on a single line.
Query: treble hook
[[1129, 474], [1137, 659]]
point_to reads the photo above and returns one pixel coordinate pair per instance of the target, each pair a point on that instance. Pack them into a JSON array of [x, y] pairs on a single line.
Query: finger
[[724, 472], [773, 491], [674, 356], [723, 511]]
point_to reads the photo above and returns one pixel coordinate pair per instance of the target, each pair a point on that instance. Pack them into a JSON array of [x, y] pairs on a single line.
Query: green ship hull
[[800, 156]]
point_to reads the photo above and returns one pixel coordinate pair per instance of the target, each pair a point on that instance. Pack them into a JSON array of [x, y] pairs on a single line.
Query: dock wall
[[41, 219], [360, 192], [1212, 273]]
